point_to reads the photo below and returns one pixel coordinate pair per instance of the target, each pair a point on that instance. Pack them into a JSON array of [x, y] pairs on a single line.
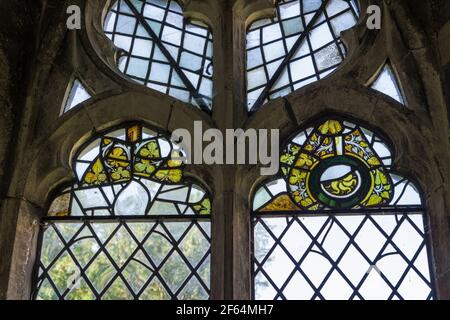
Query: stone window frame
[[55, 138]]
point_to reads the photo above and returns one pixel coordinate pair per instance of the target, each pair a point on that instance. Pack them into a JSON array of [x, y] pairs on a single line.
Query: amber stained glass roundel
[[335, 165]]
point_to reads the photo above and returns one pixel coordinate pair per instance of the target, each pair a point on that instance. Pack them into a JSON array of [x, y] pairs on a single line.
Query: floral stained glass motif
[[300, 46], [337, 165], [339, 223], [119, 157], [130, 227], [161, 50]]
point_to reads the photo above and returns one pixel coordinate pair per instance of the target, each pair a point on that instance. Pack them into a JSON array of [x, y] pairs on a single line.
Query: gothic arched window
[[130, 227], [161, 50], [339, 223], [300, 46]]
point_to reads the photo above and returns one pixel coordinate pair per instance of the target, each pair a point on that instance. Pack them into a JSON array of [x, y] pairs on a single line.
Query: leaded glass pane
[[162, 50], [112, 234], [387, 83], [301, 45], [127, 260], [339, 223], [78, 94]]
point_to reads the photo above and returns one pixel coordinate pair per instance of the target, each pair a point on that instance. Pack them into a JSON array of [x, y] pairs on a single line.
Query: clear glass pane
[[388, 84], [159, 36], [78, 94], [121, 271], [276, 38], [365, 264]]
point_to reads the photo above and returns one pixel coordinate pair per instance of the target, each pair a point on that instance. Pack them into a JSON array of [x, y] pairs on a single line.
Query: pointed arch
[[130, 226], [338, 221]]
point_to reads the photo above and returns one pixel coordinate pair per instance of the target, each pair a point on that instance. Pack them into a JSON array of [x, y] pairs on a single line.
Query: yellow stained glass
[[134, 133], [281, 203], [96, 174], [335, 164]]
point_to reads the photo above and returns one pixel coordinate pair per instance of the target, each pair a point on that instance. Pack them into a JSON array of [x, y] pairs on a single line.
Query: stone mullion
[[222, 114], [228, 113]]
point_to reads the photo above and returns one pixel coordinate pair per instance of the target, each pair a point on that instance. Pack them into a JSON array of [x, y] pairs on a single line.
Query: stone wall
[[18, 21]]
